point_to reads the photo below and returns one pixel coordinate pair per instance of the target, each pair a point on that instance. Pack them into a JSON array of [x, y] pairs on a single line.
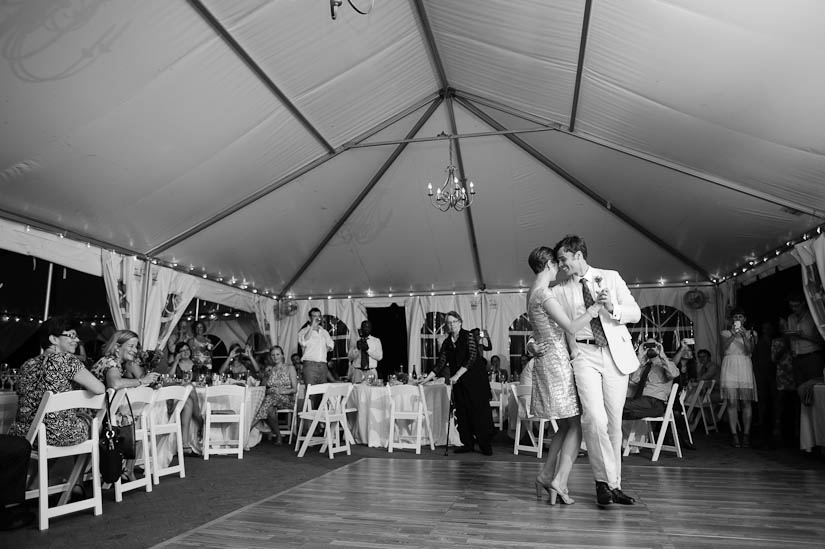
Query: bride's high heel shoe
[[564, 495], [542, 486]]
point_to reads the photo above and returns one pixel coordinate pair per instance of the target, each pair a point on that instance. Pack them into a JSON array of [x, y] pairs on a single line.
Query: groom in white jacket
[[603, 357]]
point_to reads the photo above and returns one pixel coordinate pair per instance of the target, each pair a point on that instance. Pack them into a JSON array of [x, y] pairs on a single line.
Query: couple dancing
[[589, 310]]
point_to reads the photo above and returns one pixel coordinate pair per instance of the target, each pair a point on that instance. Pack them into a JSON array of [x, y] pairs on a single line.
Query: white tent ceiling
[[262, 141]]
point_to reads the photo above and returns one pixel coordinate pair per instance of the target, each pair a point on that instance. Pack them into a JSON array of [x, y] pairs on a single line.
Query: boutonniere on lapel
[[598, 280]]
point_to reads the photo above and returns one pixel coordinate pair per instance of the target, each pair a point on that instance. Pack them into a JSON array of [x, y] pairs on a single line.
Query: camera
[[649, 345], [362, 333], [689, 341]]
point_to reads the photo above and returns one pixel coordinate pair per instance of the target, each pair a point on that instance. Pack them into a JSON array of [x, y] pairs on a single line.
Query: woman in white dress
[[737, 379]]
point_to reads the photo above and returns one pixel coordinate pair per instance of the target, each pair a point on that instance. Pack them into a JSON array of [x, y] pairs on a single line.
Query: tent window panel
[[520, 332], [431, 331], [667, 324]]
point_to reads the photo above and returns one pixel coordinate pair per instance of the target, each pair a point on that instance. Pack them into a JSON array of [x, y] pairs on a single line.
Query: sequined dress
[[554, 389]]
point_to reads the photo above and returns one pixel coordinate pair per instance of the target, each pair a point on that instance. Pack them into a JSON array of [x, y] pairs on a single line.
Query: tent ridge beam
[[432, 48], [355, 203], [580, 65], [730, 185], [526, 116], [471, 230], [235, 46], [453, 136], [587, 190]]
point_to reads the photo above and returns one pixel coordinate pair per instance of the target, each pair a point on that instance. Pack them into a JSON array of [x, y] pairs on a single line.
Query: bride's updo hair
[[539, 257]]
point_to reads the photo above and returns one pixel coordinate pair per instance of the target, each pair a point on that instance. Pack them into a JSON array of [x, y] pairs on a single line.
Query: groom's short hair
[[572, 243]]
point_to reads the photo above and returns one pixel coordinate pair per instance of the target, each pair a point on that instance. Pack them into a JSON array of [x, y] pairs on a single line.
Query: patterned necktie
[[640, 387], [595, 323], [365, 360]]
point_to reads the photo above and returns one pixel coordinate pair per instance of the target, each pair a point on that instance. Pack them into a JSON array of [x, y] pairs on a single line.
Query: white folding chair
[[666, 421], [219, 413], [56, 402], [300, 395], [407, 403], [523, 419], [685, 416], [332, 412], [160, 426], [497, 403], [704, 407], [141, 400]]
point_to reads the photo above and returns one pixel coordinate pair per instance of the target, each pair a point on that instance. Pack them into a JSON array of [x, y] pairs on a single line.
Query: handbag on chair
[[125, 434], [117, 442]]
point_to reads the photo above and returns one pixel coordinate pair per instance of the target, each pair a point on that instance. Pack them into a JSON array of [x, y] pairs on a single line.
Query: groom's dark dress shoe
[[621, 498], [604, 496]]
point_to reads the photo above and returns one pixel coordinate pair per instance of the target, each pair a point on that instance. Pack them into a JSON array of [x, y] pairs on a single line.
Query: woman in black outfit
[[471, 388]]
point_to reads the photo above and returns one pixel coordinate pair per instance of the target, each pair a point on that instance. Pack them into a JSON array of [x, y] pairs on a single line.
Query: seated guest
[[707, 370], [495, 372], [119, 369], [14, 461], [182, 366], [57, 370], [649, 386], [685, 361], [238, 364], [295, 358], [281, 386]]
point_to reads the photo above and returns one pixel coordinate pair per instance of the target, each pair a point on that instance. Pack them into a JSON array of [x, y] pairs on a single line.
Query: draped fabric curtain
[[169, 295], [123, 278], [811, 255], [265, 315], [501, 310]]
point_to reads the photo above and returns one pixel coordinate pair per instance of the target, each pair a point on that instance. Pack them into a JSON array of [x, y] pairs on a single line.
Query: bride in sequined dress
[[554, 393]]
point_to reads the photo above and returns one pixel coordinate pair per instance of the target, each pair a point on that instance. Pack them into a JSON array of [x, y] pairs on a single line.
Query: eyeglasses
[[71, 335]]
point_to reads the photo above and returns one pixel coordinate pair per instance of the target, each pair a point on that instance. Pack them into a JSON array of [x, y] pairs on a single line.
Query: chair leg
[[43, 486], [418, 435], [518, 436], [392, 434], [155, 474], [309, 434], [540, 441], [429, 431]]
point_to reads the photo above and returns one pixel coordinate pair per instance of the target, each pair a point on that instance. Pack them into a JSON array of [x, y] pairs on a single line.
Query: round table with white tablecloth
[[370, 424]]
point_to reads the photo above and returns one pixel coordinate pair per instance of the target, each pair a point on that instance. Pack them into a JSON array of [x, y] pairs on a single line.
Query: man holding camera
[[649, 386], [316, 343], [364, 357]]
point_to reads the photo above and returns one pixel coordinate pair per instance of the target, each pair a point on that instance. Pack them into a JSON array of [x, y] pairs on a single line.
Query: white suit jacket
[[625, 310]]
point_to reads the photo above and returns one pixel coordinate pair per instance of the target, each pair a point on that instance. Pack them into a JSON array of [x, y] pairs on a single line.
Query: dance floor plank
[[436, 504]]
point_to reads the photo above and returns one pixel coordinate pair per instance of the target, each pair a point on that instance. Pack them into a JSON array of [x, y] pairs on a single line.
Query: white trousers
[[602, 390]]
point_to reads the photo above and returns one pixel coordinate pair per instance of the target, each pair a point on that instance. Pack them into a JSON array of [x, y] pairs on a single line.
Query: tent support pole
[[586, 190], [147, 273], [471, 230], [48, 292], [580, 66], [355, 203]]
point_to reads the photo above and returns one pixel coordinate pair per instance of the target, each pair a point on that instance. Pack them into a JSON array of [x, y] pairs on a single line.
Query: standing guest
[[603, 357], [737, 379], [471, 388], [785, 402], [805, 341], [57, 370], [281, 386], [554, 388], [365, 355], [316, 343], [15, 452], [201, 348]]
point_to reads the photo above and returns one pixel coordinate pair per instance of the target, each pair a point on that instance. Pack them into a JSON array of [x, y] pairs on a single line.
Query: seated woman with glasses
[[281, 385], [57, 370]]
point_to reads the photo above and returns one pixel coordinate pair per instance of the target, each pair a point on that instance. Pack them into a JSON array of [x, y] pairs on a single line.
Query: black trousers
[[644, 406], [473, 415], [14, 464]]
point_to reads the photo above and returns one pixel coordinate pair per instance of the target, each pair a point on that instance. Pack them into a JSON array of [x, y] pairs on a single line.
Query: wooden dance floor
[[442, 504]]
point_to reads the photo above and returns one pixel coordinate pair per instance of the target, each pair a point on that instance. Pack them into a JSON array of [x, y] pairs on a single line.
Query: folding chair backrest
[[178, 393], [517, 391], [406, 398], [231, 391], [335, 398], [71, 400], [674, 390], [38, 417], [314, 390]]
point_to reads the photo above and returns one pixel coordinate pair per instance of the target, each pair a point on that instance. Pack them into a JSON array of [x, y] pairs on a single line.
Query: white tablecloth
[[370, 424], [8, 410]]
